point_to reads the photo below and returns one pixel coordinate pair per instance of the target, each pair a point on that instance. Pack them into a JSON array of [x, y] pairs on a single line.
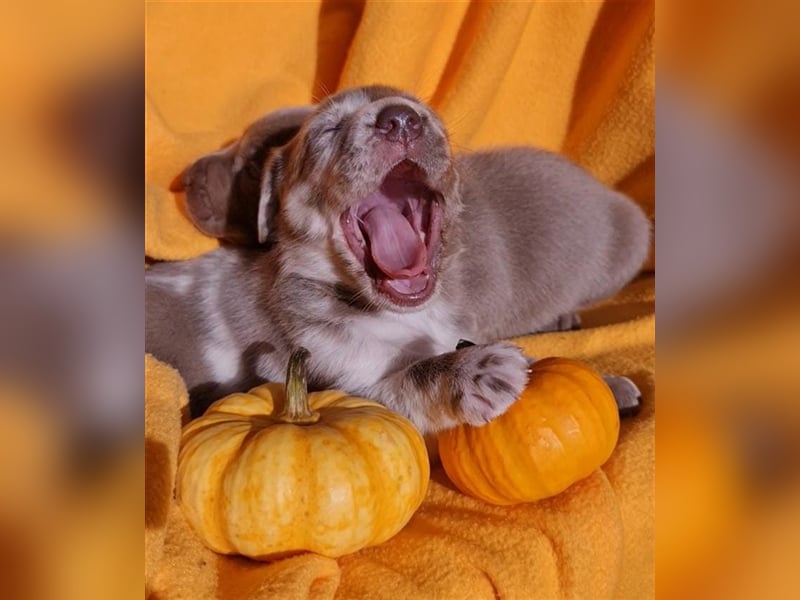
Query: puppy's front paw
[[488, 380]]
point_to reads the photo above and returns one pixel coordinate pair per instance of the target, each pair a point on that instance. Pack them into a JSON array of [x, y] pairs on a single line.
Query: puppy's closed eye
[[333, 129]]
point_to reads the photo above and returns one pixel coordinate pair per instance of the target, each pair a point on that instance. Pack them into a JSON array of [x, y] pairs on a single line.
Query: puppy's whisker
[[454, 121], [324, 89], [462, 147]]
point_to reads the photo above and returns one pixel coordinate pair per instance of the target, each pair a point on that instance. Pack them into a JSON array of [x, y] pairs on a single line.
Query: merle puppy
[[350, 228]]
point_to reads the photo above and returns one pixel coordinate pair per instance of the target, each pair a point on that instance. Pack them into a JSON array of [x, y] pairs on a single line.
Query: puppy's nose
[[399, 123]]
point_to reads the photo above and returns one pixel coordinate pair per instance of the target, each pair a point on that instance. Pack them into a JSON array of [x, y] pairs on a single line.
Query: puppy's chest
[[372, 347]]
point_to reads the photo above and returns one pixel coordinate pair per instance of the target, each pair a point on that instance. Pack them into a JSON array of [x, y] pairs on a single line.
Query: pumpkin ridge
[[418, 471], [376, 509], [337, 400], [460, 446], [597, 422], [197, 426], [316, 479], [526, 444], [212, 491], [588, 423], [194, 438], [484, 454], [448, 443], [266, 391], [223, 487], [611, 436], [377, 462], [560, 395], [609, 425], [464, 470], [594, 422], [301, 451], [341, 412], [538, 398], [383, 460], [374, 460], [511, 454], [594, 415], [258, 401]]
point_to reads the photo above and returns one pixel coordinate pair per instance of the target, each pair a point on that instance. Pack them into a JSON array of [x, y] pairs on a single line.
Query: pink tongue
[[395, 246]]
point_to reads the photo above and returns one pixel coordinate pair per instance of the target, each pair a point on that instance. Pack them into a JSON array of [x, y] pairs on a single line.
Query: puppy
[[350, 228]]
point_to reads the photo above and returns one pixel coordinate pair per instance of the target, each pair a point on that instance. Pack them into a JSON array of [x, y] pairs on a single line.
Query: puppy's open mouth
[[394, 233]]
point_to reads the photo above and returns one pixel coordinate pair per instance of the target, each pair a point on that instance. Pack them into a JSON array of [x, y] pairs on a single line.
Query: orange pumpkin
[[564, 426], [329, 473]]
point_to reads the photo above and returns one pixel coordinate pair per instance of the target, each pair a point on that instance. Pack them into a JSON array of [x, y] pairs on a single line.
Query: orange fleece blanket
[[577, 78]]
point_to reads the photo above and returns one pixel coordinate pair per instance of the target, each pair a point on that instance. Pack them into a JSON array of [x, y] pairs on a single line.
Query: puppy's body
[[527, 237]]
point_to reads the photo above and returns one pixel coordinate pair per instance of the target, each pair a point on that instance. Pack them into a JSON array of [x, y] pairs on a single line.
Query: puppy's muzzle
[[399, 123]]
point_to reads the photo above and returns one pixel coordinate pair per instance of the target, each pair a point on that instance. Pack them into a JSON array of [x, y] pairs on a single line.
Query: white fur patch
[[399, 329], [262, 216], [223, 362], [313, 264], [382, 343], [301, 217], [178, 284], [220, 351]]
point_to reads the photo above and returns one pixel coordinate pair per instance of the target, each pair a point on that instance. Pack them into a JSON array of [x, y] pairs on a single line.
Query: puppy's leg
[[472, 385], [565, 322], [626, 394]]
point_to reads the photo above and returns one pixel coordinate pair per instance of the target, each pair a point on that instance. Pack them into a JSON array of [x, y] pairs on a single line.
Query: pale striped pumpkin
[[329, 474]]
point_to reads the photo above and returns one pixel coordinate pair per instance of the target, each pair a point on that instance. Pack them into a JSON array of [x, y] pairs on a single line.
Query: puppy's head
[[363, 197]]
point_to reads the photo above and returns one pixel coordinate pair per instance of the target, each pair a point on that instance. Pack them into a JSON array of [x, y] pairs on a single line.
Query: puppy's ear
[[224, 188]]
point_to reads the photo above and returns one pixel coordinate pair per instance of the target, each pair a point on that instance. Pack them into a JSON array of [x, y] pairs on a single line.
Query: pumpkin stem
[[296, 409]]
